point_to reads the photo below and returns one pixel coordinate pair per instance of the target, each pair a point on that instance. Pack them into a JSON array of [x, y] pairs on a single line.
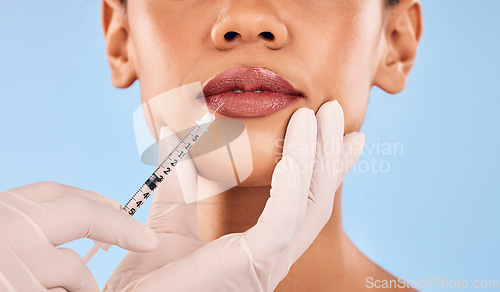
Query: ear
[[403, 28], [119, 47]]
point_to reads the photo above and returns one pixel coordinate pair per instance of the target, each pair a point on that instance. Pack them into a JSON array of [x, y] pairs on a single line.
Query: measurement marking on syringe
[[161, 172]]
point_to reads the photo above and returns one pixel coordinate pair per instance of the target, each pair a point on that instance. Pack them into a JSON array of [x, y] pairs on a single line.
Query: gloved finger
[[315, 219], [169, 212], [276, 225], [321, 190], [221, 265], [46, 191], [5, 284], [351, 151], [300, 144], [27, 253], [330, 119], [70, 213], [21, 240], [15, 275], [137, 265], [66, 270], [70, 217]]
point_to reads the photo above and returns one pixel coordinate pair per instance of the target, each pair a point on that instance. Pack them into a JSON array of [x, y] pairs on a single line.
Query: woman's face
[[326, 49]]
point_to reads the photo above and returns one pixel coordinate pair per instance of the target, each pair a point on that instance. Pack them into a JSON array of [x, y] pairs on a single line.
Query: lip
[[274, 92]]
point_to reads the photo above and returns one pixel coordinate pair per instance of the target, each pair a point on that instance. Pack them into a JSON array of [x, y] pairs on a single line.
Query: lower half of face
[[326, 50]]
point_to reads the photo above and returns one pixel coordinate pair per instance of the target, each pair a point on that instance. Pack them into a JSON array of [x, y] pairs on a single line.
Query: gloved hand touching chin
[[300, 204]]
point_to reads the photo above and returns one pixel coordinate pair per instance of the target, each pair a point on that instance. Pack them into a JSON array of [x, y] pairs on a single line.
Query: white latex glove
[[34, 219], [300, 204]]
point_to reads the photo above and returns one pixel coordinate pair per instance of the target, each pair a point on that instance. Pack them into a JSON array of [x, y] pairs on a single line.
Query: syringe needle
[[161, 171], [218, 107]]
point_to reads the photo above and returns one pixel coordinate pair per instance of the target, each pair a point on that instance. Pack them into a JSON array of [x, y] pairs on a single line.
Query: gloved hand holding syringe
[[164, 169]]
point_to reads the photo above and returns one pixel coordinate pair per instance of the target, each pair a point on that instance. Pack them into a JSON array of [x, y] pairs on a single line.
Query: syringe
[[164, 169]]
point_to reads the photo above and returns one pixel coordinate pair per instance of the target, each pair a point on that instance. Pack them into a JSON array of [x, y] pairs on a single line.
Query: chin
[[266, 150], [262, 172], [248, 157]]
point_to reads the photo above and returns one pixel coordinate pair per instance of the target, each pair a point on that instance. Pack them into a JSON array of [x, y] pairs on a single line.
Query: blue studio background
[[423, 202]]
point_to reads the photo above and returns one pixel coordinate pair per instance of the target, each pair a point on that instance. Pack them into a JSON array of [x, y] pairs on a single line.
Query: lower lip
[[250, 104]]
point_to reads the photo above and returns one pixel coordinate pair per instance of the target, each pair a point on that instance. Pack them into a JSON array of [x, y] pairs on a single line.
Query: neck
[[331, 262]]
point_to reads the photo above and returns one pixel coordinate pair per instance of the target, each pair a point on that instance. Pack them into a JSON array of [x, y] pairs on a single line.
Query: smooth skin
[[329, 50]]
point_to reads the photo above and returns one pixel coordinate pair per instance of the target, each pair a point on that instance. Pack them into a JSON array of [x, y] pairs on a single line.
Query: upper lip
[[249, 79]]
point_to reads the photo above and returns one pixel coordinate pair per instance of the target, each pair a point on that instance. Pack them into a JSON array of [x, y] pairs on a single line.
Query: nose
[[246, 22]]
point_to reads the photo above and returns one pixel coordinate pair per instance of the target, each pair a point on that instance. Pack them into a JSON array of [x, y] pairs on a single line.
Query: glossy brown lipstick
[[249, 92]]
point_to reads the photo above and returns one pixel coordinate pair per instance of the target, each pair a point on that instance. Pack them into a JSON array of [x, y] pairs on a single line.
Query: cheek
[[166, 43], [340, 59]]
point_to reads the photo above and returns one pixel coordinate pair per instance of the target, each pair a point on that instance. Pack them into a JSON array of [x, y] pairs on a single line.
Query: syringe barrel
[[207, 119]]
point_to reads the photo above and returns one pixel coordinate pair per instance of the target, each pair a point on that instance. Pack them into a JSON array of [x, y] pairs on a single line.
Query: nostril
[[267, 35], [230, 35]]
